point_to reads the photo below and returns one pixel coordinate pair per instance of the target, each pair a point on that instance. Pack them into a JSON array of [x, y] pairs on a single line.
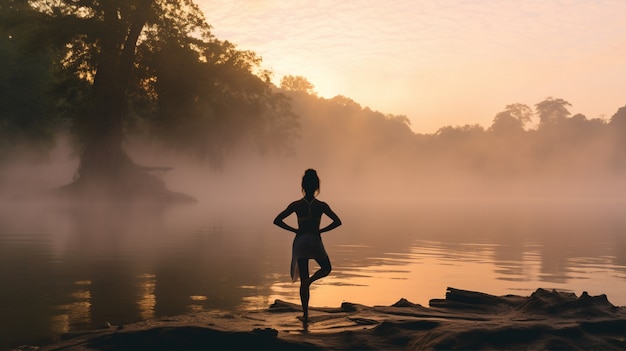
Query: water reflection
[[76, 268], [147, 299]]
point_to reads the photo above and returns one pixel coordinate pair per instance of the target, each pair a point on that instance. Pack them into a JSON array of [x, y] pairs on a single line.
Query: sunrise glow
[[440, 63]]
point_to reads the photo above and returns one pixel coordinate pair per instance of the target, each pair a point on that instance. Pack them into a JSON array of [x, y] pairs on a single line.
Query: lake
[[70, 267]]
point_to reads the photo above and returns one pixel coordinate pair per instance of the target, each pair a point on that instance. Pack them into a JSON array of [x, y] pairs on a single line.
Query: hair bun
[[310, 182]]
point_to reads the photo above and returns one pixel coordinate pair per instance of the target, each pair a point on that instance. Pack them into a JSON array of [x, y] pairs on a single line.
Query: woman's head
[[310, 182]]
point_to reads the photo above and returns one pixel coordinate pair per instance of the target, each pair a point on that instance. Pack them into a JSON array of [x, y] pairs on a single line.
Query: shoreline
[[463, 320]]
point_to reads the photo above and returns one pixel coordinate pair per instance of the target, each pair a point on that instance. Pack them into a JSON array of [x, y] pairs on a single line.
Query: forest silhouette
[[560, 155], [109, 74]]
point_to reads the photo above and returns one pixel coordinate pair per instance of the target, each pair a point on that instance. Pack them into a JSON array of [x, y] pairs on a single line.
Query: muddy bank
[[464, 320]]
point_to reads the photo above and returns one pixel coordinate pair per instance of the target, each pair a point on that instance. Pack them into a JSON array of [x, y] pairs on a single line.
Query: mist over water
[[409, 231], [464, 208]]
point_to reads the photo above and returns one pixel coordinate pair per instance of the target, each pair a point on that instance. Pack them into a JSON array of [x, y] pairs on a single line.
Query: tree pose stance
[[308, 242]]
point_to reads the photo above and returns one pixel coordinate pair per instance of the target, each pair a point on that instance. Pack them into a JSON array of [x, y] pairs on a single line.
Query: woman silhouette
[[308, 242]]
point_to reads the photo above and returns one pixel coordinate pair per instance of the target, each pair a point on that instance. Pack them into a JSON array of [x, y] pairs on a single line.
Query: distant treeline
[[562, 155]]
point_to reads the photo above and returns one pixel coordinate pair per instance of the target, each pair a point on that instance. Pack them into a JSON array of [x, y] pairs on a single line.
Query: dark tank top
[[309, 223]]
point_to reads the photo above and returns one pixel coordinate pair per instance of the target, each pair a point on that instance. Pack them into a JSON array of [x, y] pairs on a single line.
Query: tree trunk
[[105, 167], [117, 53]]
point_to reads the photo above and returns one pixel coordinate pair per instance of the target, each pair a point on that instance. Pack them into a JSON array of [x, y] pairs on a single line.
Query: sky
[[439, 62]]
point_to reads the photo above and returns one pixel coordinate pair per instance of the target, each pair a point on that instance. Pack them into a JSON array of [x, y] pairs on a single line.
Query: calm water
[[64, 268]]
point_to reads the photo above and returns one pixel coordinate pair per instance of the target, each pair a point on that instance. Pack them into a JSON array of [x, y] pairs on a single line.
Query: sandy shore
[[464, 320]]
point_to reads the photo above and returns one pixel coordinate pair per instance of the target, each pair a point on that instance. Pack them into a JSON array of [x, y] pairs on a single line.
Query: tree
[[580, 125], [152, 63], [297, 83], [618, 131], [512, 119], [346, 102], [25, 76], [552, 111], [206, 108], [460, 133], [23, 107], [618, 120]]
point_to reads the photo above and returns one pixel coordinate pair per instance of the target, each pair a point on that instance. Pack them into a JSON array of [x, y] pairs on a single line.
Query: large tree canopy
[[152, 67], [512, 119], [552, 112]]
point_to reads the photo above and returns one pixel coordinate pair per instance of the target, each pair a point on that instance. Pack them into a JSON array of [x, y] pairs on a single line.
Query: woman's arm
[[279, 220], [336, 222]]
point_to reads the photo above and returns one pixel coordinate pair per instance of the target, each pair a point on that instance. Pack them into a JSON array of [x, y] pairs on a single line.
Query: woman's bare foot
[[305, 322]]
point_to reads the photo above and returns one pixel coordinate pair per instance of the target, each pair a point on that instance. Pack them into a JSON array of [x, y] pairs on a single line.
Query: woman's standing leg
[[303, 266]]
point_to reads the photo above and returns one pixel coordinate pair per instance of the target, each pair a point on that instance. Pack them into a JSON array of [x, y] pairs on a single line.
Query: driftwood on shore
[[464, 320]]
